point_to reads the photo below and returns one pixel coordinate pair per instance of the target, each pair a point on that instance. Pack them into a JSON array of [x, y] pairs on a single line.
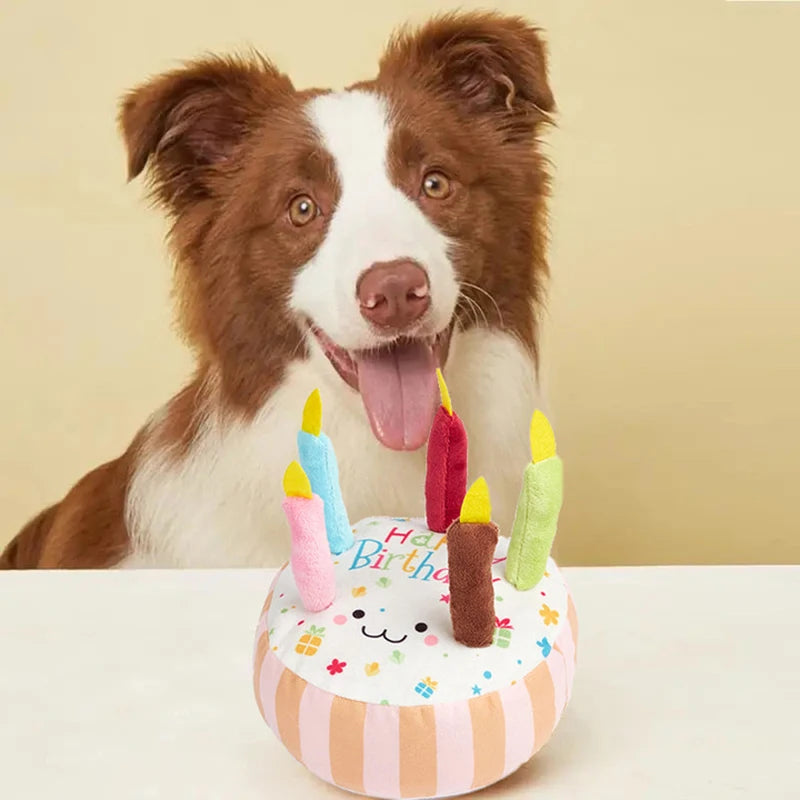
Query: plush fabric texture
[[477, 504], [543, 439], [470, 549], [318, 459], [446, 476], [312, 564], [434, 749], [295, 482], [535, 522], [312, 414]]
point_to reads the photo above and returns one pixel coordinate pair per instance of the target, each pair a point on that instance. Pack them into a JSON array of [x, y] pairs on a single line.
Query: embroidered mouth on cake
[[359, 613]]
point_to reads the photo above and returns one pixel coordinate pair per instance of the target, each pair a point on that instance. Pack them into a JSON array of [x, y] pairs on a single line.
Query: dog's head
[[368, 222]]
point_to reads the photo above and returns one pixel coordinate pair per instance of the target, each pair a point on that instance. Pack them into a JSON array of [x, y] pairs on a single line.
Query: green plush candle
[[538, 507]]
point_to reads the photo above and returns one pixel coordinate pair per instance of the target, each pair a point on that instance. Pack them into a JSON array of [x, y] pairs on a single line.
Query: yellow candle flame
[[543, 440], [477, 506], [447, 404], [312, 414], [295, 481]]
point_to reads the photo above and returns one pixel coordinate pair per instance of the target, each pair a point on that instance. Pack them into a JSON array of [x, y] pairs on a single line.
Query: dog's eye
[[436, 185], [420, 627], [302, 210], [358, 613]]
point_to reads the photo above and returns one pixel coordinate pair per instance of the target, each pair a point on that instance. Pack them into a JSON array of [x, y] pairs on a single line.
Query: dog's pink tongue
[[399, 389]]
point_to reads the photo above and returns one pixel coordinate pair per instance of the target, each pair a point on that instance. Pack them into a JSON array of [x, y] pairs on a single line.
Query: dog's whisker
[[304, 335], [478, 310], [467, 285], [475, 308], [472, 307], [466, 311]]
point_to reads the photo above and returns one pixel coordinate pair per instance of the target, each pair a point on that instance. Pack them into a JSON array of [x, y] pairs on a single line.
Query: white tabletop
[[137, 684]]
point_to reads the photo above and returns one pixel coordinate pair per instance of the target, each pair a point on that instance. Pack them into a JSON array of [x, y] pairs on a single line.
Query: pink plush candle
[[446, 476], [311, 561]]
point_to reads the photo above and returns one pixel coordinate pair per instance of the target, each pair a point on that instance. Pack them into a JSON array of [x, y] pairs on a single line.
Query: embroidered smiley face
[[359, 614]]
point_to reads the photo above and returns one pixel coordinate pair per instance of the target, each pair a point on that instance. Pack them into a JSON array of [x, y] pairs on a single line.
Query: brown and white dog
[[350, 240]]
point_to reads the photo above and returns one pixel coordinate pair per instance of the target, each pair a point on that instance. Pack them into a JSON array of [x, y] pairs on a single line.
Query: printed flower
[[384, 582], [336, 666], [545, 645], [359, 591], [445, 598], [372, 669], [549, 616]]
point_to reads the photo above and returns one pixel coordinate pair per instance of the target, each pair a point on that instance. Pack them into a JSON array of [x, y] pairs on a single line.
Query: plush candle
[[312, 565], [319, 461], [446, 476], [539, 504], [471, 542]]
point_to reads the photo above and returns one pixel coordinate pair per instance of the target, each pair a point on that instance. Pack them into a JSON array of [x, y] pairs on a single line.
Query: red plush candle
[[446, 477]]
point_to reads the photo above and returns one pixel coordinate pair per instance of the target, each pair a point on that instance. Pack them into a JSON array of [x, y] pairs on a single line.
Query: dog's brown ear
[[488, 62], [184, 124]]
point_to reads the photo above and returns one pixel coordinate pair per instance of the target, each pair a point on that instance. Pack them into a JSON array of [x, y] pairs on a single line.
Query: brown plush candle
[[471, 542]]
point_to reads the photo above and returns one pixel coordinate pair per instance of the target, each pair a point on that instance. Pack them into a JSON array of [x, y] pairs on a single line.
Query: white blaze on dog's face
[[375, 222], [377, 219]]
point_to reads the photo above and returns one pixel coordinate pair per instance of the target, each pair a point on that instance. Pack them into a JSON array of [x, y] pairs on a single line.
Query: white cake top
[[388, 638]]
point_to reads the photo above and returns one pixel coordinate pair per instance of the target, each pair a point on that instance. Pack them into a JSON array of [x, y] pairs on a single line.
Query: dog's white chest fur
[[219, 504]]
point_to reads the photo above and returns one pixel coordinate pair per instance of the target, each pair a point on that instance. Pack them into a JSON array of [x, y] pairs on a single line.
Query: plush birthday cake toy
[[410, 658]]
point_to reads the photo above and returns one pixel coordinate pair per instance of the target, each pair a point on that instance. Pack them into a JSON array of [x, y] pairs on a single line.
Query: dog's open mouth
[[397, 384]]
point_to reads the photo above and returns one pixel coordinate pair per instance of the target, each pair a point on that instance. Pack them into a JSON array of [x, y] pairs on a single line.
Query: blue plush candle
[[318, 460]]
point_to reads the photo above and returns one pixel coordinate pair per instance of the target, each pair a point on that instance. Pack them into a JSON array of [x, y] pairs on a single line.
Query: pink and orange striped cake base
[[436, 747]]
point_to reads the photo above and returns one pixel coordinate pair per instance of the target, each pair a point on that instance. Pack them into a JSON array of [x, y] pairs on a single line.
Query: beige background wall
[[672, 339]]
